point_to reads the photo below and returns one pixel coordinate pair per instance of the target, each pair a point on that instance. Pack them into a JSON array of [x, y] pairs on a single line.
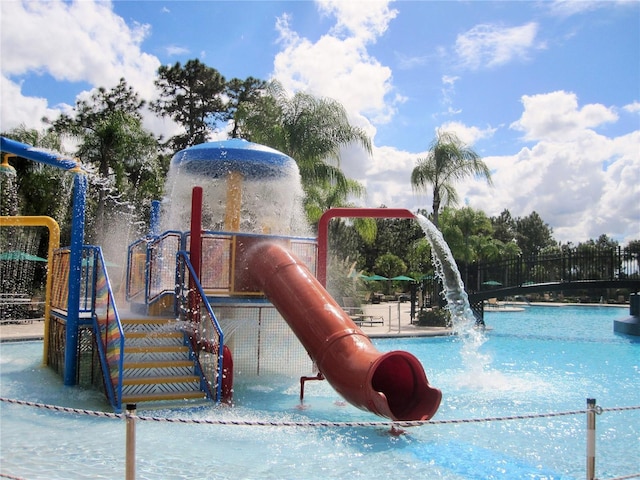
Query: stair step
[[158, 364], [154, 335], [156, 349], [153, 325], [164, 379], [155, 397], [157, 367], [140, 339], [148, 320]]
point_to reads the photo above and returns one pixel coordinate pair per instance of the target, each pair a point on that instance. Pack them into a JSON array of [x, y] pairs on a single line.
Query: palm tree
[[321, 198], [447, 161], [309, 129]]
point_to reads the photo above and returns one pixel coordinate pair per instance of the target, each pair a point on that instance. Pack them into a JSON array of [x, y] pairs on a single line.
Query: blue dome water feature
[[218, 159], [247, 188]]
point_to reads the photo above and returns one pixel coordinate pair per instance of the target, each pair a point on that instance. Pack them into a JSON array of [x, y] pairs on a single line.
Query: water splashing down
[[463, 319]]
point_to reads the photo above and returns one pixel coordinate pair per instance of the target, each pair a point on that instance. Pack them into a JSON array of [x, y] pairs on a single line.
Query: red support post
[[195, 247], [323, 229]]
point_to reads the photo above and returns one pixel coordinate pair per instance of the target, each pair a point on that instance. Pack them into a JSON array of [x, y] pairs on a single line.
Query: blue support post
[[75, 263], [154, 220]]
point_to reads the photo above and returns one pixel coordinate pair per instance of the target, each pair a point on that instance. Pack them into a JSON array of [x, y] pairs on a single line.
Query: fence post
[[390, 316], [591, 438], [131, 442], [389, 329]]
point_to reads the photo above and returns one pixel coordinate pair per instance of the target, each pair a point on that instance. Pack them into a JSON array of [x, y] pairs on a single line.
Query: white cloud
[[567, 8], [492, 45], [363, 20], [340, 67], [175, 50], [468, 135], [556, 116], [406, 62], [632, 107], [386, 176], [73, 42], [27, 111], [448, 92], [580, 182]]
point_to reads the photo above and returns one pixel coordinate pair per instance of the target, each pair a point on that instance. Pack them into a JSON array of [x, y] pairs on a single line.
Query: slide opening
[[396, 379]]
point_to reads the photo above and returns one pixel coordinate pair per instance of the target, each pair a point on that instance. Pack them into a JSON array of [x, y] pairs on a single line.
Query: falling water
[[269, 205], [463, 319], [8, 190], [20, 274]]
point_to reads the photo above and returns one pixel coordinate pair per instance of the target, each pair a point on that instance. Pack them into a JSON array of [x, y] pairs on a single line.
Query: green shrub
[[437, 317]]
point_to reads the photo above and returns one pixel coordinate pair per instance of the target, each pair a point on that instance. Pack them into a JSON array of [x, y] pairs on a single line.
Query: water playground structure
[[244, 296]]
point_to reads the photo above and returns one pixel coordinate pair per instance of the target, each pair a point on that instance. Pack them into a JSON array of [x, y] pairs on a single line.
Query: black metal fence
[[570, 265]]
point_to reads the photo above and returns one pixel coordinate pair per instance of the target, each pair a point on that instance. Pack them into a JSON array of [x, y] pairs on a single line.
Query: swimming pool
[[545, 359]]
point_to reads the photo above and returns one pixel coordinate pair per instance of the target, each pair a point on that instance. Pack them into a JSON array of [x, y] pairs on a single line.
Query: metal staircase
[[157, 363]]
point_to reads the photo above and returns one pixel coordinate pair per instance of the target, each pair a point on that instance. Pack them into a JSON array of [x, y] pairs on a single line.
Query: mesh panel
[[86, 357], [55, 352], [136, 271], [163, 265], [307, 252], [88, 367], [261, 342], [215, 272]]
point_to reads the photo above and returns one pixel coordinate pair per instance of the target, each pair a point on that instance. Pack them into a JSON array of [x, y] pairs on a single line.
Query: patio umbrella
[[17, 255], [355, 274], [376, 277], [403, 278]]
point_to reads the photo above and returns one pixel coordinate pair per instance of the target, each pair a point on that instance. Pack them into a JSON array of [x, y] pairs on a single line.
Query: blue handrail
[[106, 322], [183, 298]]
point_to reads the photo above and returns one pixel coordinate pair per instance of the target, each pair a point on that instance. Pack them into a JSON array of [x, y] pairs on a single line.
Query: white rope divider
[[274, 423]]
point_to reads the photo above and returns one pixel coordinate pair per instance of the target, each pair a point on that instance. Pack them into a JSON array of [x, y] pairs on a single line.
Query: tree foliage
[[309, 129], [390, 265], [241, 92], [108, 128], [191, 95], [130, 166], [448, 160], [533, 234]]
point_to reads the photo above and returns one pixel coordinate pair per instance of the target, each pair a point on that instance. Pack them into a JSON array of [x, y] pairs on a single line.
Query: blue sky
[[547, 92]]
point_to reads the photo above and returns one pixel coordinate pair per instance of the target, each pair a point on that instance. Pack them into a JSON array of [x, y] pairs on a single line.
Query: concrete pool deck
[[14, 332]]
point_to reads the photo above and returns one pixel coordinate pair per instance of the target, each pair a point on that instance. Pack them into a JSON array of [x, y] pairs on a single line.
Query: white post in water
[[131, 443], [591, 438]]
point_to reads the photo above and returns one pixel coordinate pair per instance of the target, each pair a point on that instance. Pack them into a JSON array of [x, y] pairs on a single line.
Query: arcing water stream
[[462, 318]]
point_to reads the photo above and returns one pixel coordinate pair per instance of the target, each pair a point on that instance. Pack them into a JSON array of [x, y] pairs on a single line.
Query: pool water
[[542, 360]]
